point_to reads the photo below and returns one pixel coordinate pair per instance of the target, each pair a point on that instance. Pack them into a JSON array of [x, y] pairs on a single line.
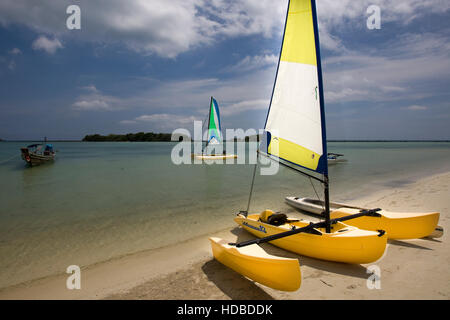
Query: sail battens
[[295, 120]]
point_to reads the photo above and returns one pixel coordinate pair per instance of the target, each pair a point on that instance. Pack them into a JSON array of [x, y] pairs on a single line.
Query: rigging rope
[[253, 182], [310, 180], [203, 131]]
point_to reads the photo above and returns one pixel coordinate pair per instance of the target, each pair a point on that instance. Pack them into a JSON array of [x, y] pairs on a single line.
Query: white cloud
[[126, 122], [346, 94], [8, 62], [94, 100], [172, 104], [92, 104], [328, 41], [163, 121], [90, 88], [48, 45], [416, 108], [245, 17], [336, 17], [404, 71], [168, 28], [15, 51], [246, 105], [165, 28], [166, 117], [12, 65], [254, 62], [193, 95], [338, 13], [393, 89]]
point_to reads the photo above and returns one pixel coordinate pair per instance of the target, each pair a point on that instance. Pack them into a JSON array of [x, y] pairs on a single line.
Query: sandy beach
[[412, 269]]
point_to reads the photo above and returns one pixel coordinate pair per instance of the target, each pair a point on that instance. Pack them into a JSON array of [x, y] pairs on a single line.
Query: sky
[[152, 65]]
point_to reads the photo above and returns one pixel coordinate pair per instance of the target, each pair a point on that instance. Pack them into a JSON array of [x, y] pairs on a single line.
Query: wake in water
[[9, 159]]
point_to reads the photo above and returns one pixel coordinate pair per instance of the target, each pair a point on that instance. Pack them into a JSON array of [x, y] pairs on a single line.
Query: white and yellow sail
[[295, 125]]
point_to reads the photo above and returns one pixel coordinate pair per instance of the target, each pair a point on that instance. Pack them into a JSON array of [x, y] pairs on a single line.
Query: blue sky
[[153, 65]]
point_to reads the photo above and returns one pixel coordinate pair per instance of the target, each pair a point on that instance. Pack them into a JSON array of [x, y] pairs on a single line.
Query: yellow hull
[[345, 243], [254, 263], [398, 225]]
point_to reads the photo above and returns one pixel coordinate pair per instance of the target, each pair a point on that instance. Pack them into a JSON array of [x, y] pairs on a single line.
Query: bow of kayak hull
[[254, 263], [398, 225]]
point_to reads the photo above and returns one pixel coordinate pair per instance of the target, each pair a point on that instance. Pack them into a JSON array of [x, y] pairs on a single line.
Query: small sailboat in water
[[295, 136], [214, 136]]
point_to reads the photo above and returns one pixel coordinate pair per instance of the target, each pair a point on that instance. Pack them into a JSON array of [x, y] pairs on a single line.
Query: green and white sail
[[295, 124], [214, 129]]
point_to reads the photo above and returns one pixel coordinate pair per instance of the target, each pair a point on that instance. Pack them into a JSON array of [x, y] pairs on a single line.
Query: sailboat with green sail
[[214, 136], [295, 136]]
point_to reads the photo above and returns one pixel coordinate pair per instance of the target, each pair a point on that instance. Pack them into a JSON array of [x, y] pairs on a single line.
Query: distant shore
[[412, 269]]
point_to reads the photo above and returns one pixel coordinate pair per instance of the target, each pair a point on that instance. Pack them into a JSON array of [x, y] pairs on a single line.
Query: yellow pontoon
[[253, 262], [343, 244], [398, 225]]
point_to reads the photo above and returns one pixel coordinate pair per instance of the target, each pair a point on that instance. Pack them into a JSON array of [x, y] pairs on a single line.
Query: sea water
[[99, 201]]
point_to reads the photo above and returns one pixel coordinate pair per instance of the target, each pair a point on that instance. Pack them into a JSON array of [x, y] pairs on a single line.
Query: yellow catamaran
[[295, 135]]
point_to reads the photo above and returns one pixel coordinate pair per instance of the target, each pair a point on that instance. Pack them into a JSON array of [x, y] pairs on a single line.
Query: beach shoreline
[[412, 269]]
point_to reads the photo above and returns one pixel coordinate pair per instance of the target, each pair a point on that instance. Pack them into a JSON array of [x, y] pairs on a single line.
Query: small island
[[133, 137]]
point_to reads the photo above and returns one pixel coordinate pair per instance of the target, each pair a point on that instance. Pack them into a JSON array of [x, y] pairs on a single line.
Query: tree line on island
[[138, 137], [145, 137]]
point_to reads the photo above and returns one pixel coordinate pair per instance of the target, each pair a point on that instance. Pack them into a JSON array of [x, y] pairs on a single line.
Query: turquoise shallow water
[[98, 201]]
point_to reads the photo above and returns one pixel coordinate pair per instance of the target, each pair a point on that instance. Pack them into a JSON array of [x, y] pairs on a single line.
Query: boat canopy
[[295, 124], [48, 147]]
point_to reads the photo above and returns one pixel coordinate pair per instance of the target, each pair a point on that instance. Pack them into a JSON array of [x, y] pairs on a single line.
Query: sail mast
[[209, 123], [322, 112], [295, 124]]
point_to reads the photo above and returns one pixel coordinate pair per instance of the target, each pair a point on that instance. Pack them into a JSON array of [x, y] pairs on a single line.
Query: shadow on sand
[[409, 244], [232, 283]]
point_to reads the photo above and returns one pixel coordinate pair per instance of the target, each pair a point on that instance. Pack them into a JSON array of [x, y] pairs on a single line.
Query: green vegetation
[[248, 138], [140, 136]]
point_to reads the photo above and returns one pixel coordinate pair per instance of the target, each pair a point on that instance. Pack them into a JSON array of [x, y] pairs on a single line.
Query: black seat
[[277, 219]]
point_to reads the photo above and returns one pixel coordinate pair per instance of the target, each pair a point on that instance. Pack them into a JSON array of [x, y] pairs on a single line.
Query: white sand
[[412, 269]]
